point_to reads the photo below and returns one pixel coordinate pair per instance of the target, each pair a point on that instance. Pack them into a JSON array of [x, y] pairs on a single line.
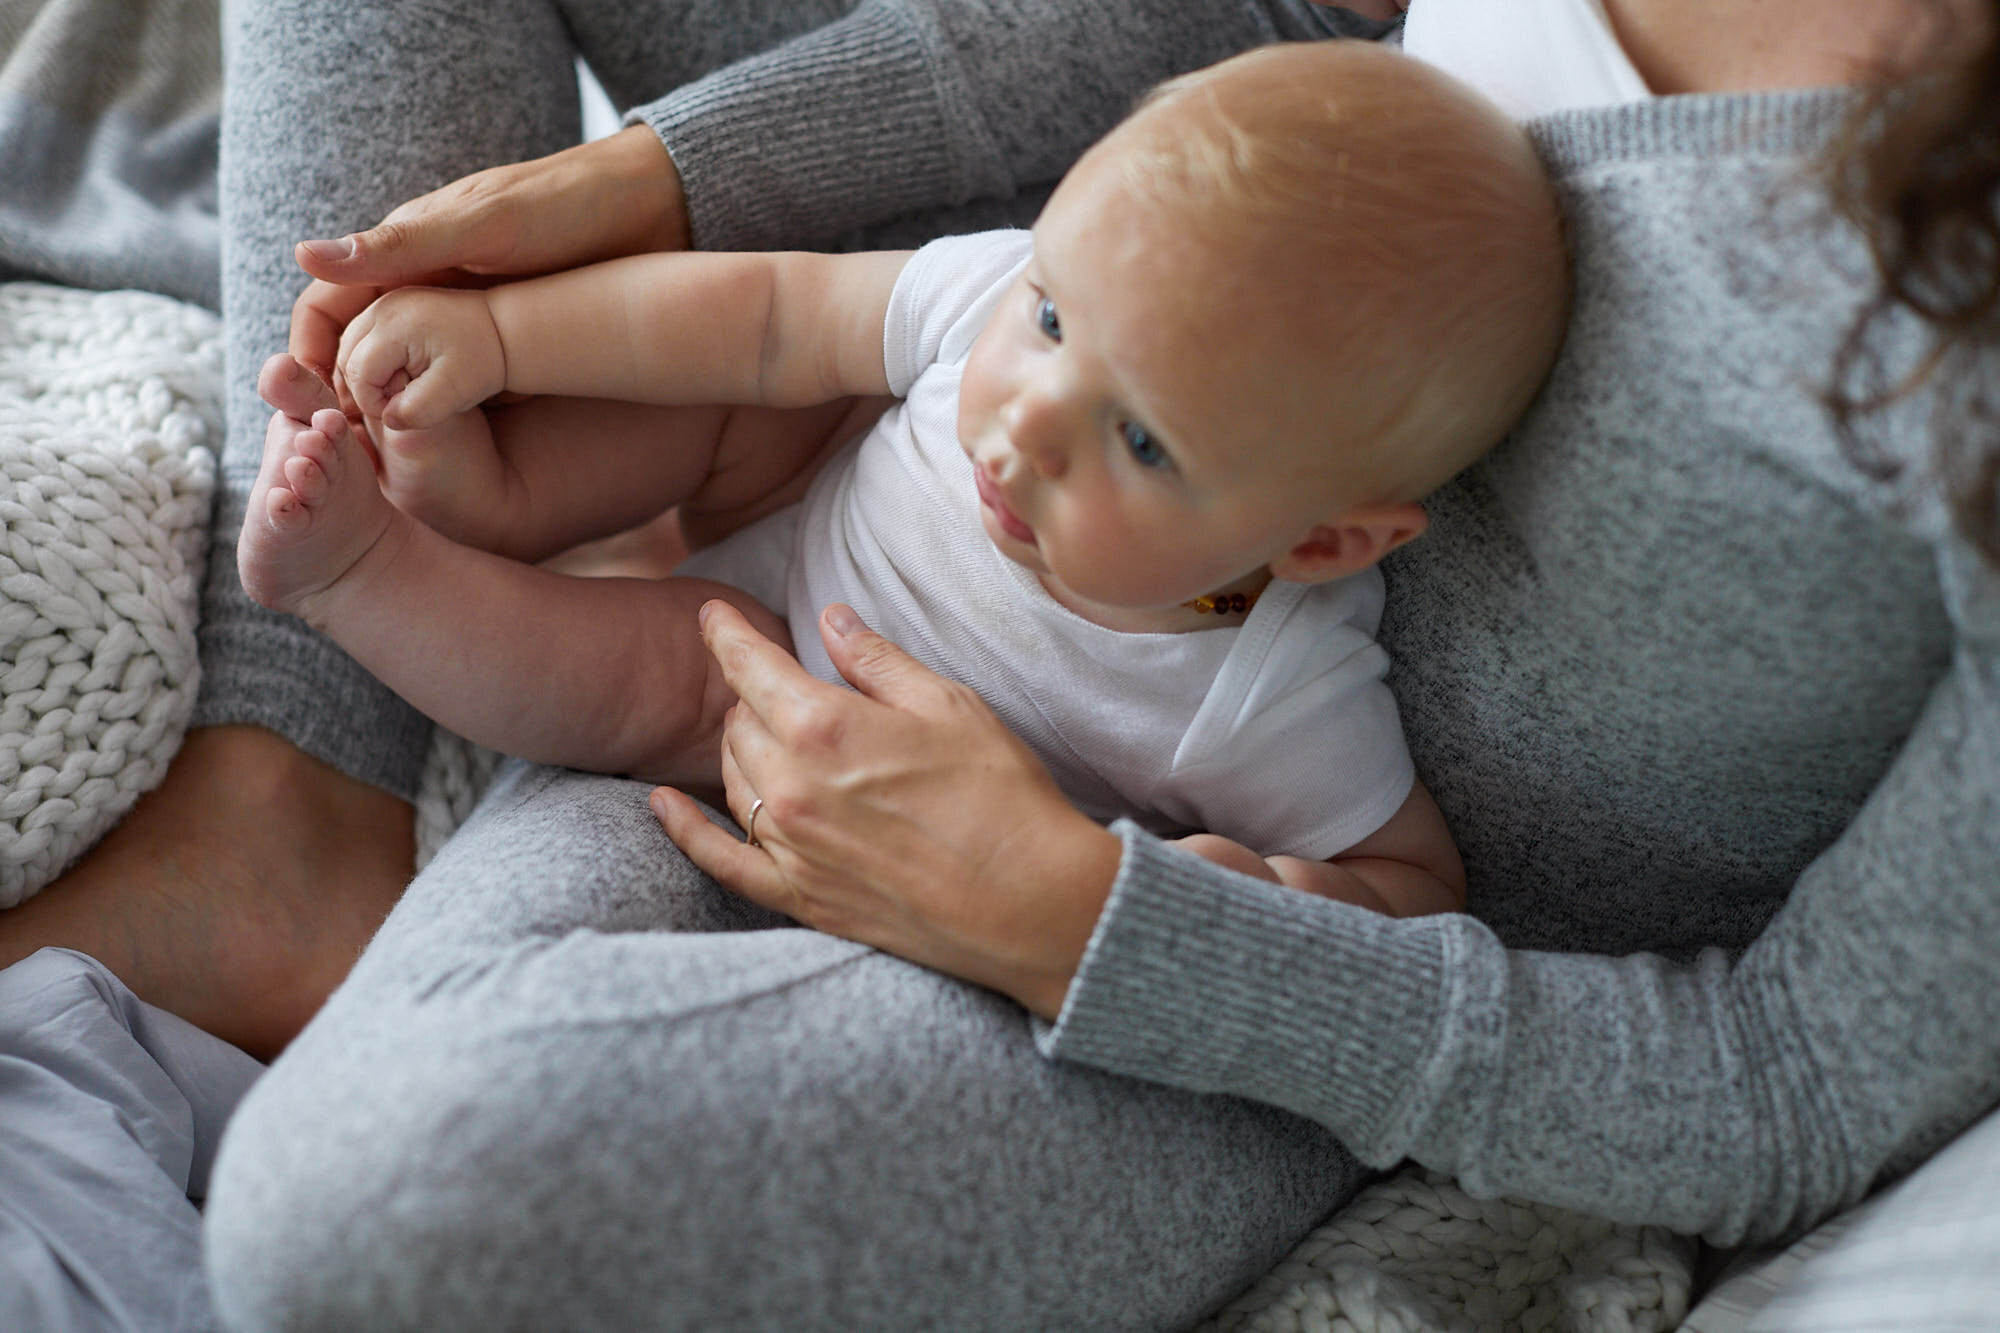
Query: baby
[[1144, 462]]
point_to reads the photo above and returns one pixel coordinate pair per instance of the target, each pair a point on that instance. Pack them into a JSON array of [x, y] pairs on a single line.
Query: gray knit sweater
[[1717, 724]]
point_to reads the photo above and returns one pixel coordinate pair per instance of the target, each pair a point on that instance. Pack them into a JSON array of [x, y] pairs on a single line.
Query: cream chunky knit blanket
[[110, 405]]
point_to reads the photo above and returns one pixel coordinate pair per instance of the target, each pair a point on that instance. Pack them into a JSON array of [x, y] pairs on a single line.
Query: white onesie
[[1278, 732]]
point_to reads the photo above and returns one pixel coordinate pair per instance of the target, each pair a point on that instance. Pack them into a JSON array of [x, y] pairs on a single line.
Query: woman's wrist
[[641, 191], [1063, 889], [650, 186]]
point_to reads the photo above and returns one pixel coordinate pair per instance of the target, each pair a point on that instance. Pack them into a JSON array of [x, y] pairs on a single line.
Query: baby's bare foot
[[316, 509]]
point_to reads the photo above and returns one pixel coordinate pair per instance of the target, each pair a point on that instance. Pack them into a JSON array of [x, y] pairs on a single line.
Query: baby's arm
[[777, 330], [526, 479], [1408, 867]]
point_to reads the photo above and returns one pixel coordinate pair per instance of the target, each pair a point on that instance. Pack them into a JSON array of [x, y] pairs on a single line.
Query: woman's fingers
[[765, 676], [873, 665], [613, 196], [739, 793], [751, 870], [735, 865], [912, 821], [435, 234], [755, 767], [319, 317]]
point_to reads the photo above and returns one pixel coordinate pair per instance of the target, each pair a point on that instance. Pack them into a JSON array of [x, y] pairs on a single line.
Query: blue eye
[[1144, 447], [1047, 321]]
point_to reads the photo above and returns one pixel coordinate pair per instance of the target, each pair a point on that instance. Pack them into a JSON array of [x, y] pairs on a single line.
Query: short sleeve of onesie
[[942, 299]]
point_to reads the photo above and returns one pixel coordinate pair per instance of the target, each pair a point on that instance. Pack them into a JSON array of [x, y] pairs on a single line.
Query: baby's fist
[[419, 355]]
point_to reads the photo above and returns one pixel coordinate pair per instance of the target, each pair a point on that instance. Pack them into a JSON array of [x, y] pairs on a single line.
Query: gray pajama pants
[[573, 1084]]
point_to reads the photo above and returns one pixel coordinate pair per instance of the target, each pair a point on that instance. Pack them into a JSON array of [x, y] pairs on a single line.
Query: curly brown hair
[[1918, 170]]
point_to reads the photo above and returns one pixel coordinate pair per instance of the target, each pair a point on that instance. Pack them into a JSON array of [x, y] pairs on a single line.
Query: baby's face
[[1141, 432]]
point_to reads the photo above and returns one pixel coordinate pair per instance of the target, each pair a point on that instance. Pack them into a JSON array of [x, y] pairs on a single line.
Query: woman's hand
[[905, 816], [615, 196]]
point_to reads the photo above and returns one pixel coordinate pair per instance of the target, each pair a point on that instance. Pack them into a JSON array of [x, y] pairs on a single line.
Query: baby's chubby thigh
[[766, 457], [589, 1119]]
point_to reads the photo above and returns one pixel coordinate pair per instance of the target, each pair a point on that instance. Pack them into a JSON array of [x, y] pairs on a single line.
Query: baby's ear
[[1350, 542]]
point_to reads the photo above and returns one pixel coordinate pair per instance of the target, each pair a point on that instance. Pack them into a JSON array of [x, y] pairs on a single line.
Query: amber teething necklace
[[1225, 603]]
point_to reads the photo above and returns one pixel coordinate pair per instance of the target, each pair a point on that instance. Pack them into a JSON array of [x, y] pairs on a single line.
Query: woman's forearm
[[913, 107], [1738, 1098]]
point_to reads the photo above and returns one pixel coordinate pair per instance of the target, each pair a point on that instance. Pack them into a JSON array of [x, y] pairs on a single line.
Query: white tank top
[[1532, 57]]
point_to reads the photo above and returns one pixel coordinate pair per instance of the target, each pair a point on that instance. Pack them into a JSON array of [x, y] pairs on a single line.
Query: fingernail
[[701, 616], [331, 251], [843, 620]]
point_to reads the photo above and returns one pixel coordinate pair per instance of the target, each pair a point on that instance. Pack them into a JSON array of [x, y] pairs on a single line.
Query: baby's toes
[[291, 388], [305, 470], [285, 516], [278, 436]]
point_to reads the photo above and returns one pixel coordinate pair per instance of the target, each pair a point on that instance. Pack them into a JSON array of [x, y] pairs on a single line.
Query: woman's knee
[[317, 1215]]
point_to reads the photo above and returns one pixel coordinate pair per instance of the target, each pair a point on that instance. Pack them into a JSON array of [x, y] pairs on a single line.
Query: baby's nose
[[1039, 429]]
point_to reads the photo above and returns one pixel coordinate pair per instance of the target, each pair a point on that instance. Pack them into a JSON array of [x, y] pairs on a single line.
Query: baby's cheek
[[1113, 564], [978, 390]]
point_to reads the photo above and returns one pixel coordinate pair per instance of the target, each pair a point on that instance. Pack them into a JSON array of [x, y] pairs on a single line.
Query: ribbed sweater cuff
[[1213, 982], [272, 671], [836, 129]]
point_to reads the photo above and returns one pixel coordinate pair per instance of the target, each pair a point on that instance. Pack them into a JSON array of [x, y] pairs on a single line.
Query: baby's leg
[[530, 479], [605, 674], [575, 469], [765, 458]]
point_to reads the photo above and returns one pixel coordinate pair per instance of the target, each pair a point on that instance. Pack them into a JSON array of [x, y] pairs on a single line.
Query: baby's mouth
[[1010, 522]]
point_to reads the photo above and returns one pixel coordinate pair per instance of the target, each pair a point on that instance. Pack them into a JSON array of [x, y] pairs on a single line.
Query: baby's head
[[1266, 315]]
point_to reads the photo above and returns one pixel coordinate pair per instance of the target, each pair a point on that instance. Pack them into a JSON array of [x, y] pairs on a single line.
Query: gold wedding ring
[[750, 823]]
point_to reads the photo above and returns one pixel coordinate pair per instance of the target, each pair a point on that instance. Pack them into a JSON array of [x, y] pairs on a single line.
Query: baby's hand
[[420, 355]]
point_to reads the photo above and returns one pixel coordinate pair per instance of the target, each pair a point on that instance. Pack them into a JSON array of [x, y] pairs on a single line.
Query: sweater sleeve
[[910, 106], [1741, 1098]]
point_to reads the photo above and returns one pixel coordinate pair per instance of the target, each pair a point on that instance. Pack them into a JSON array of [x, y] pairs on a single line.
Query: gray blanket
[[109, 111]]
